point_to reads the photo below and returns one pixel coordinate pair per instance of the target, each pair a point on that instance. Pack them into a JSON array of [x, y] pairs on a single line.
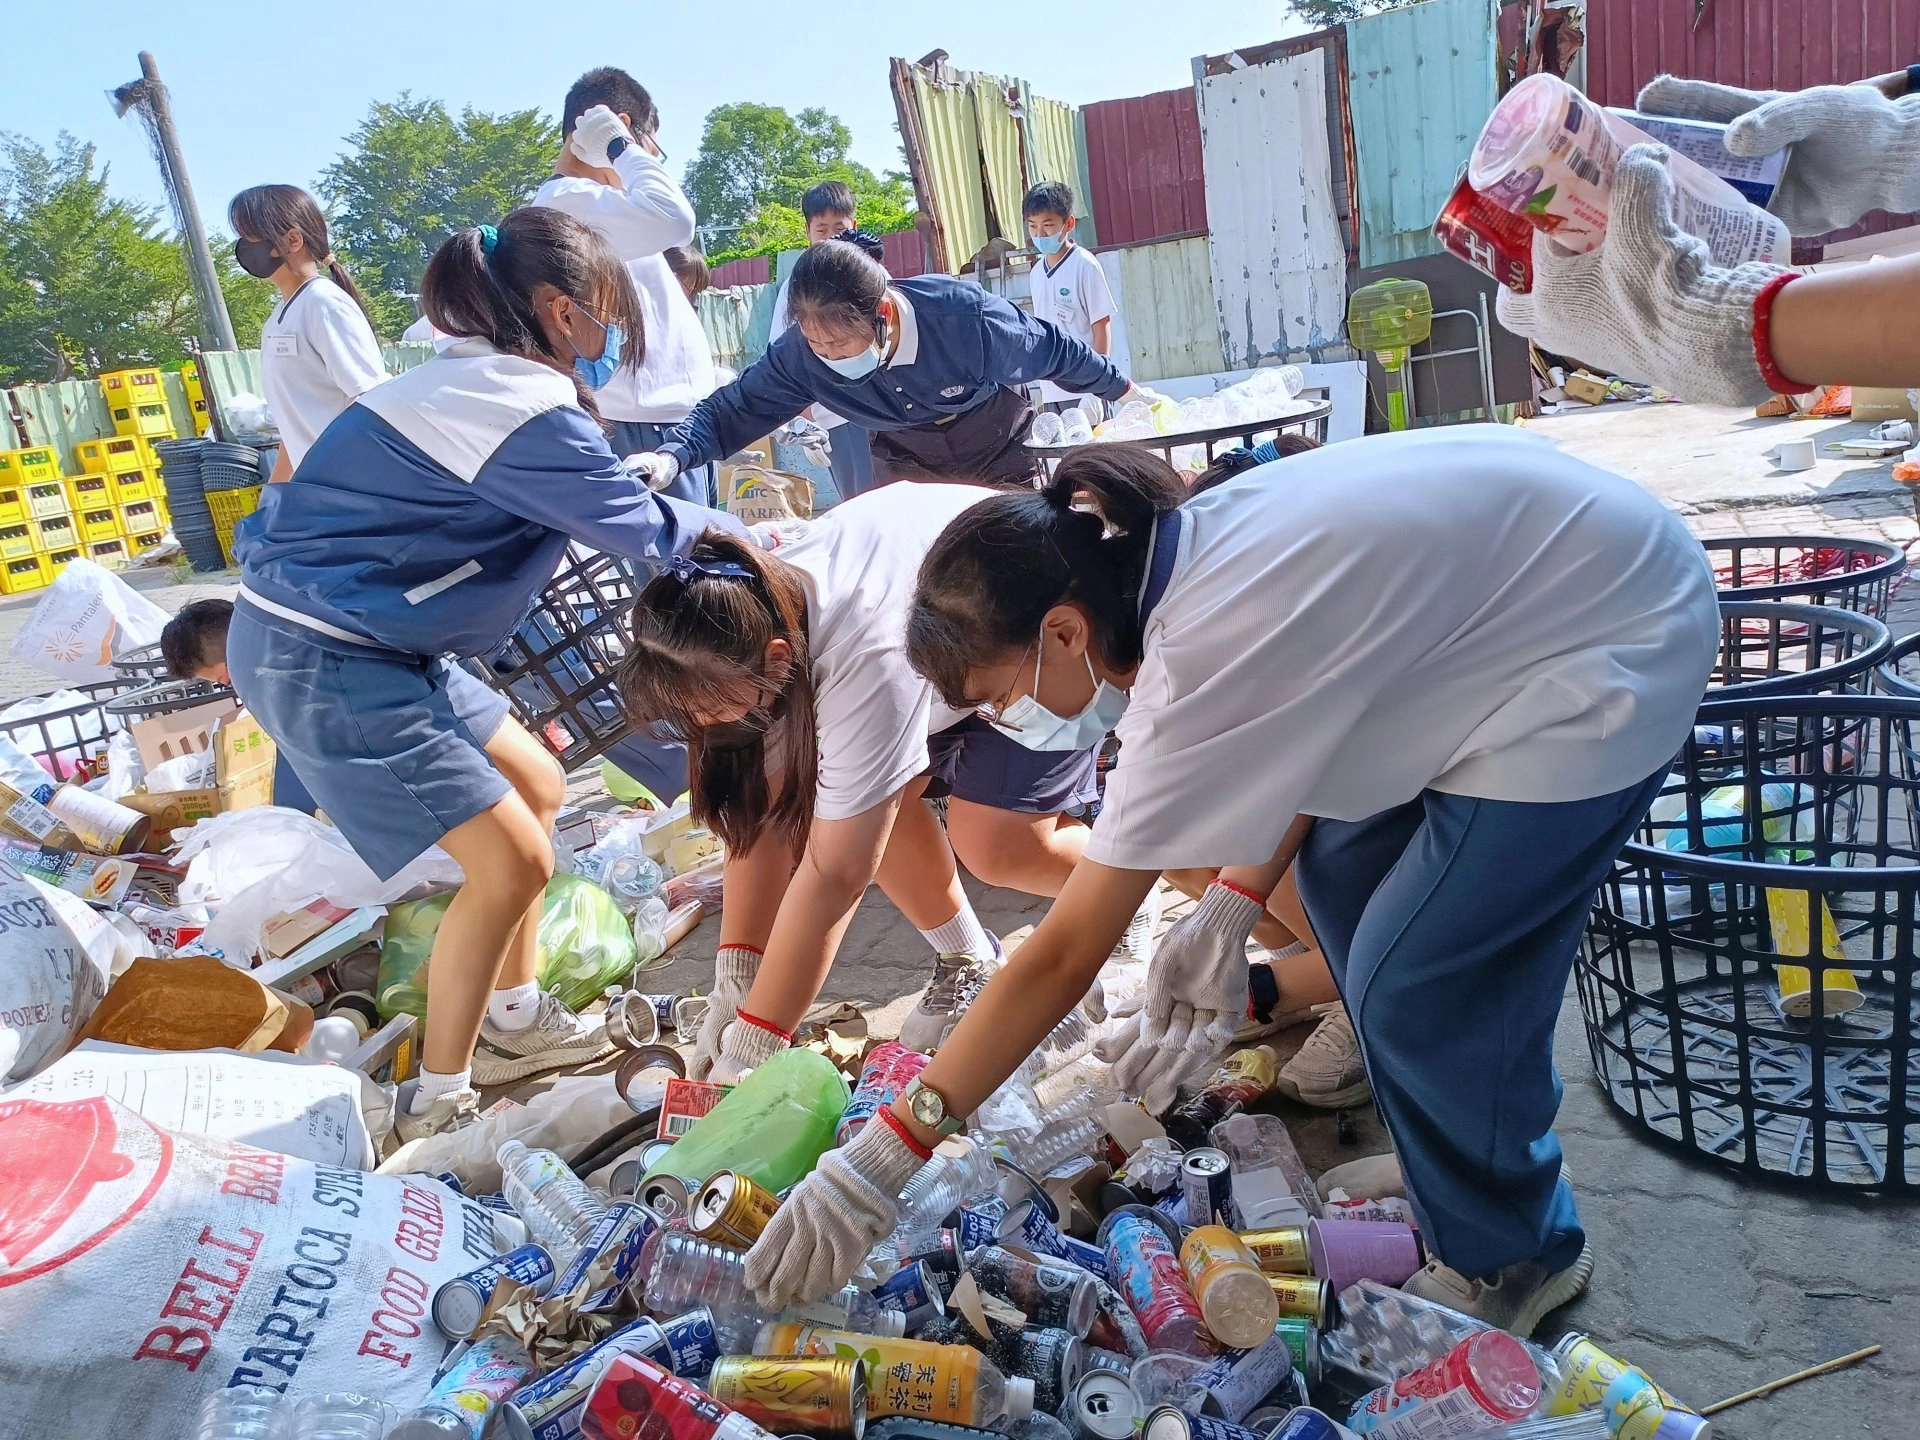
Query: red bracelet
[[1763, 336], [1242, 890], [895, 1124], [772, 1029]]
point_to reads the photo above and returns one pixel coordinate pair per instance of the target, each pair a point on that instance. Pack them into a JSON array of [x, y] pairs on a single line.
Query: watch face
[[928, 1108]]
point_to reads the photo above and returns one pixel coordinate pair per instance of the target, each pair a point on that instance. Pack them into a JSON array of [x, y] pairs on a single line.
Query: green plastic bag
[[773, 1127], [586, 945]]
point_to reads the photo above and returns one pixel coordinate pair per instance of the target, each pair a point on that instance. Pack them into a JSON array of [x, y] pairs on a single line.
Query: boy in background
[[1069, 287], [194, 645], [828, 209]]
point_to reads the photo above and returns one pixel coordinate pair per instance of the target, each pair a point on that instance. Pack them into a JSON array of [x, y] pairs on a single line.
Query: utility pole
[[149, 97]]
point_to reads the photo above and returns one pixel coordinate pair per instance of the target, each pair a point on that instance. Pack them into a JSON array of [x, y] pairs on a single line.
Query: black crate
[[1780, 647], [1815, 569]]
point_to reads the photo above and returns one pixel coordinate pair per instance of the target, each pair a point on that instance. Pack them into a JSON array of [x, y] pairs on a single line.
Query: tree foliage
[[89, 282], [1337, 12], [412, 175], [755, 162]]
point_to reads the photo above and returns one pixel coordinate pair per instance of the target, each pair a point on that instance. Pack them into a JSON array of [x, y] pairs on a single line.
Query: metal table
[[1311, 422]]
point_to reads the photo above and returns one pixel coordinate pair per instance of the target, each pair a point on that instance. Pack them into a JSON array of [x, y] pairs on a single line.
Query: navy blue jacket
[[958, 345], [433, 509]]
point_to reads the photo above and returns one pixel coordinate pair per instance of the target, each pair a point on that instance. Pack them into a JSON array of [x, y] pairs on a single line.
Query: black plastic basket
[[1212, 443], [1815, 569], [1899, 672], [71, 738], [1786, 829], [1779, 647], [163, 697]]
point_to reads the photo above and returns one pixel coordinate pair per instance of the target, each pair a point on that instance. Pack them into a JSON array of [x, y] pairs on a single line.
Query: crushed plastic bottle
[[340, 1417], [559, 1209], [1270, 1182], [685, 1272], [242, 1412], [650, 929], [1385, 1334], [1075, 429], [1046, 429]]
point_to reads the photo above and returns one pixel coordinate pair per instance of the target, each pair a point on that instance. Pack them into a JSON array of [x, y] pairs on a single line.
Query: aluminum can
[[458, 1304], [811, 1395], [732, 1209]]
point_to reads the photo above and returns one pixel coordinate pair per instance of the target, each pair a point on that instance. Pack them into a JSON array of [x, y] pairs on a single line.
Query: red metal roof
[[748, 270], [1143, 163]]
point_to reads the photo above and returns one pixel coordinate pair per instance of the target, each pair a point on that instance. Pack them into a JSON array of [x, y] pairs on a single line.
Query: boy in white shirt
[[1069, 287], [828, 209]]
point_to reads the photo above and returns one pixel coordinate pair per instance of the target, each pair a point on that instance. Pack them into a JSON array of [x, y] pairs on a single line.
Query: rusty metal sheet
[[747, 270], [1144, 173]]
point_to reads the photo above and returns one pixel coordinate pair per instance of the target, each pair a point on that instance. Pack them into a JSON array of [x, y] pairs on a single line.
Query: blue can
[[551, 1407], [617, 1240], [1087, 1256], [451, 1181], [458, 1304], [911, 1290], [692, 1343], [980, 1224], [1170, 1422], [1305, 1423]]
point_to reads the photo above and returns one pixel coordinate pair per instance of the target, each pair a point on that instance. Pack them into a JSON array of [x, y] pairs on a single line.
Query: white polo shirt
[[874, 713], [1465, 609], [318, 355], [1072, 295]]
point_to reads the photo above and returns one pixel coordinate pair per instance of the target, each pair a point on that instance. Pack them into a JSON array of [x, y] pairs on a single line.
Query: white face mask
[[1037, 728], [853, 367]]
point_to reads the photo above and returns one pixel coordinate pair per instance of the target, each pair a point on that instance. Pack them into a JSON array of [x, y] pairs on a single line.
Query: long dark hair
[[700, 638], [267, 212], [994, 572], [481, 281], [840, 285]]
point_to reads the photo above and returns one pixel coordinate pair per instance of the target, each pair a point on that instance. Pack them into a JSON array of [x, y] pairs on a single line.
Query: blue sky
[[266, 92]]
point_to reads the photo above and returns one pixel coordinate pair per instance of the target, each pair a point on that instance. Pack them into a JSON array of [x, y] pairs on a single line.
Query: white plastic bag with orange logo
[[88, 616]]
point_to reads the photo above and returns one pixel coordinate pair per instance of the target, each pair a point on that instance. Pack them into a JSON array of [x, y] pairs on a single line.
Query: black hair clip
[[685, 569], [866, 241]]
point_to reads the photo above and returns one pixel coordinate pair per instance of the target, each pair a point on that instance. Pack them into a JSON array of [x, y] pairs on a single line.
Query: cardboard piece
[[181, 732], [244, 758], [1587, 390], [191, 1003], [1873, 406]]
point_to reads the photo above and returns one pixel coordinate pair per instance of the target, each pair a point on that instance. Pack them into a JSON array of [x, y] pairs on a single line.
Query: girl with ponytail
[[1441, 675], [318, 352]]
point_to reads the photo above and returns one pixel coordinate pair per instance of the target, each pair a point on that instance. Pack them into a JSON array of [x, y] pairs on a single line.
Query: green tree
[[89, 282], [1337, 12], [754, 163], [413, 174]]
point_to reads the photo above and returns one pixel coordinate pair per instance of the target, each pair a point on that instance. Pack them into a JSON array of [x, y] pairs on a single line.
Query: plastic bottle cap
[[888, 1324], [1019, 1399]]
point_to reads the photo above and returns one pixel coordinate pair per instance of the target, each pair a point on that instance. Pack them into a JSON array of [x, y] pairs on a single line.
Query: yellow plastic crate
[[117, 452], [196, 398], [153, 421], [47, 498], [13, 505], [134, 483], [16, 542], [133, 387], [98, 525], [229, 508], [37, 463], [109, 553], [88, 492], [142, 517], [138, 545], [57, 559], [53, 532], [27, 572]]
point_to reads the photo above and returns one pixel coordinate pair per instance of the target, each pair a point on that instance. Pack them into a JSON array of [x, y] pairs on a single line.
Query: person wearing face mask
[[930, 367], [425, 519], [1446, 715], [813, 747], [318, 352], [1069, 287]]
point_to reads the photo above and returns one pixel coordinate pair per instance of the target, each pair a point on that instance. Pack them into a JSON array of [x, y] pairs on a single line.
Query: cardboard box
[[183, 732], [1587, 390], [287, 932], [244, 759], [1873, 406]]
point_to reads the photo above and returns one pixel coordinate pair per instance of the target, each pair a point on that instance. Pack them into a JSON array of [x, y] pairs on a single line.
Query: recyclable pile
[[1268, 396]]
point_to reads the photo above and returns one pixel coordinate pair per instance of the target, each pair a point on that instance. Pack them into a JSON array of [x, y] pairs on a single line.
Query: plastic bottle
[[773, 1128], [1234, 1297], [340, 1417], [1061, 1141], [631, 878], [1487, 1379], [962, 1169], [1271, 1186], [242, 1412], [559, 1209], [951, 1384], [684, 1271], [1239, 1080]]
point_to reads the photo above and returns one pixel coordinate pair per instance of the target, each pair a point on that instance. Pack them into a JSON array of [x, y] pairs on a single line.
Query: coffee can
[[667, 1195], [1305, 1423], [1284, 1251], [460, 1302], [1103, 1407], [1206, 1183], [731, 1209], [789, 1394], [1169, 1422], [1302, 1297]]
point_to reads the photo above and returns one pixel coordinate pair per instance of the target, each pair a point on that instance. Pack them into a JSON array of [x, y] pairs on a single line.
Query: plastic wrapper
[[567, 1117], [408, 941], [88, 616]]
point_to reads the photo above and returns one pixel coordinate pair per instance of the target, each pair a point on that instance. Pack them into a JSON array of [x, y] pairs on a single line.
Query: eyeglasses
[[991, 711]]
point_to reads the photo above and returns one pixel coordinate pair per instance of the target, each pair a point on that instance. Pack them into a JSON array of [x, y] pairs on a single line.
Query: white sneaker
[[1516, 1300], [956, 980], [1328, 1073], [1373, 1177], [556, 1038], [454, 1110]]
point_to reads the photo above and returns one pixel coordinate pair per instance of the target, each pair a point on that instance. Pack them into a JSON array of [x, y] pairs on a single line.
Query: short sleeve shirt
[[1073, 295], [318, 355]]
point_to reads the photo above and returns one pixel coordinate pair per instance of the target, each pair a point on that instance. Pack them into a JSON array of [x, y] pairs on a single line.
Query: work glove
[[1854, 150], [656, 467], [745, 1047], [822, 1231], [812, 440], [734, 969], [1194, 1000], [593, 132], [1649, 304], [1149, 398]]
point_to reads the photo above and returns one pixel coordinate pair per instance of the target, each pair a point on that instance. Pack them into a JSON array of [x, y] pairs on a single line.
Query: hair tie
[[686, 570], [489, 239], [862, 240]]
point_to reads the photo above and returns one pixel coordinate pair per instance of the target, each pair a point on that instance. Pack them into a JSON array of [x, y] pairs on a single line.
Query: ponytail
[[993, 574], [1235, 462], [267, 212], [338, 274], [700, 632]]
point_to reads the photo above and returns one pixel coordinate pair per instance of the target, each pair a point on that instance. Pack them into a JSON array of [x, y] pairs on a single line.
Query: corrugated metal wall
[[1144, 167], [1421, 83], [1166, 296], [1052, 147], [906, 253], [748, 270], [1001, 149], [1279, 257], [942, 131]]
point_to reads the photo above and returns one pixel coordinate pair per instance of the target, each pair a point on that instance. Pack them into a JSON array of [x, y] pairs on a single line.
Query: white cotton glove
[[822, 1232], [734, 969], [1146, 397], [1649, 304], [1854, 150], [593, 132], [656, 467], [811, 438], [1194, 1001], [745, 1047], [773, 534]]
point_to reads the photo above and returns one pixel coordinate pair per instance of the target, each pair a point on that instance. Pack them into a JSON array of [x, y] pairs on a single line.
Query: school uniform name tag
[[286, 346]]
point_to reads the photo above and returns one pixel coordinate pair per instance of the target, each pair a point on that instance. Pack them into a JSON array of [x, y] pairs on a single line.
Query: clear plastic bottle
[[559, 1209], [340, 1417], [951, 1384], [1270, 1181], [631, 878], [242, 1412], [684, 1272], [1059, 1142], [962, 1169]]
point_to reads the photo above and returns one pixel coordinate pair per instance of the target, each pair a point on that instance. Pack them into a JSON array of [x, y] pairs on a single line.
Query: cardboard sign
[[244, 759]]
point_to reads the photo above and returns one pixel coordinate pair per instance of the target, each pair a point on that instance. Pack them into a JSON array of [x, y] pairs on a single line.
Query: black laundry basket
[[1789, 827], [1814, 569], [1781, 647]]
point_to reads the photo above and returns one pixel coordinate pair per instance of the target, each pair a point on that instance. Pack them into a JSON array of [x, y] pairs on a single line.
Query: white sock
[[514, 1008], [432, 1087], [962, 935], [1298, 947]]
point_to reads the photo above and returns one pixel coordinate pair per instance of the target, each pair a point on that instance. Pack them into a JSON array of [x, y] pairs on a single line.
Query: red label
[[1495, 242]]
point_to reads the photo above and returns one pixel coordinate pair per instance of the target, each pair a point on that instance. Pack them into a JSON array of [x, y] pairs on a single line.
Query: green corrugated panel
[[1000, 146], [1052, 151], [62, 413], [737, 321], [1422, 83], [1166, 293], [1083, 183], [952, 130]]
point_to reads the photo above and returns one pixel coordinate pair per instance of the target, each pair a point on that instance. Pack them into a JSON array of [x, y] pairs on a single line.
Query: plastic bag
[[23, 772], [87, 729], [404, 947], [88, 616], [50, 983], [566, 1117]]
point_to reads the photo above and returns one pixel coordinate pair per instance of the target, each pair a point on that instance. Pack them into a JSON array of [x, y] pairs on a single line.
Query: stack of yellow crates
[[117, 498], [137, 401], [196, 397], [37, 531]]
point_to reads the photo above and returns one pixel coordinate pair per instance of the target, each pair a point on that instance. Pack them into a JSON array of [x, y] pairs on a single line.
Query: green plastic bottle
[[773, 1128]]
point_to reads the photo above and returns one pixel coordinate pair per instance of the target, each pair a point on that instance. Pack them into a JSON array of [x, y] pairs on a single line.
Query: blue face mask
[[1049, 244], [595, 374], [853, 367], [1031, 724]]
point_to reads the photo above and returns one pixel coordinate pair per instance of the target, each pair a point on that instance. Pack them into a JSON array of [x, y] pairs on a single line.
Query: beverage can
[[1303, 1341], [610, 1256], [1027, 1226], [1057, 1296], [904, 1377], [1704, 142], [1279, 1252], [731, 1209], [462, 1402], [99, 824], [1103, 1407], [685, 1103], [1169, 1422], [1305, 1423], [459, 1304], [978, 1225], [1234, 1296], [912, 1291], [550, 1408], [693, 1342], [888, 1070], [1302, 1297], [1488, 1379], [638, 1400], [814, 1395], [667, 1195], [1586, 1373], [1491, 239], [1238, 1381], [1145, 1269], [1206, 1182], [1053, 1359]]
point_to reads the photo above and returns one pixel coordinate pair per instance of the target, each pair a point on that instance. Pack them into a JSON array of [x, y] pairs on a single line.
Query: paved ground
[[1712, 1283]]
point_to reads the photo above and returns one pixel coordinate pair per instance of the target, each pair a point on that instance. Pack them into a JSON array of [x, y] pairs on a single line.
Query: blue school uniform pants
[[1451, 924]]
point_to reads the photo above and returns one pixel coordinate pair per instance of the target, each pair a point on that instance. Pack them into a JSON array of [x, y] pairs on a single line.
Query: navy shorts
[[391, 746], [974, 762]]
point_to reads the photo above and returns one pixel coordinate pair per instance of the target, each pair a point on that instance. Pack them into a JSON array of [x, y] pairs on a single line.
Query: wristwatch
[[929, 1108]]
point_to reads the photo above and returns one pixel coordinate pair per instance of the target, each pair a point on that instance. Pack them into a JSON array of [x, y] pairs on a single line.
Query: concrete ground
[[1710, 1282]]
